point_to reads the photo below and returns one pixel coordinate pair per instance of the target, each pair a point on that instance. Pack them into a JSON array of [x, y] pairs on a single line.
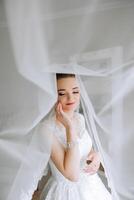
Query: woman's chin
[[69, 109]]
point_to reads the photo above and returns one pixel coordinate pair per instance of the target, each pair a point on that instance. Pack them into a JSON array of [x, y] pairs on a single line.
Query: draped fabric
[[93, 39]]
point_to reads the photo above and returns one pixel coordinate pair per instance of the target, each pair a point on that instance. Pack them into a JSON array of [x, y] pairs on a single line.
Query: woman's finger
[[58, 109], [90, 171], [92, 166]]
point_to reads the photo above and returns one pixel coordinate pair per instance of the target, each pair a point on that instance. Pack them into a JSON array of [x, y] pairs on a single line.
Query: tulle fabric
[[88, 187], [93, 39]]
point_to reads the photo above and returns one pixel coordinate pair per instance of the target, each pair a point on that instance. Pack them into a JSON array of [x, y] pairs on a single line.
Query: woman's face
[[68, 93]]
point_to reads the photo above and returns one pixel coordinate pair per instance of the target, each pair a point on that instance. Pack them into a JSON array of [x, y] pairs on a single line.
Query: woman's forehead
[[67, 83]]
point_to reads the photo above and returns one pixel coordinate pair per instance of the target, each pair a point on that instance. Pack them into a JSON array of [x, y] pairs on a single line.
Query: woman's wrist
[[69, 127], [71, 134], [72, 144]]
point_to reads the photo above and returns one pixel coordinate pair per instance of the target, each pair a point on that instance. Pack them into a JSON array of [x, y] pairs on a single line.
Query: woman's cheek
[[62, 102]]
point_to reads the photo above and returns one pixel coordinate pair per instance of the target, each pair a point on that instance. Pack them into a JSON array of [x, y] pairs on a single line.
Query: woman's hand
[[63, 117], [94, 159]]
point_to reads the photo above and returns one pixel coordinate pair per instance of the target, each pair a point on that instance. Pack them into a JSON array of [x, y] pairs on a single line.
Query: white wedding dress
[[89, 187]]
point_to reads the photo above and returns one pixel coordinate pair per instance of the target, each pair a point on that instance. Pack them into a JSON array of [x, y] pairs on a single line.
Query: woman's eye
[[61, 94], [76, 92]]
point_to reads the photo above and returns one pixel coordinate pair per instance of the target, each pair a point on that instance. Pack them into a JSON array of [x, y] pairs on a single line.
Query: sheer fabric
[[88, 187], [93, 39]]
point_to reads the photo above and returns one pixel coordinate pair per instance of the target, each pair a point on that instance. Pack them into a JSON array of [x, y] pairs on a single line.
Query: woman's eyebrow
[[75, 88], [61, 90], [65, 90]]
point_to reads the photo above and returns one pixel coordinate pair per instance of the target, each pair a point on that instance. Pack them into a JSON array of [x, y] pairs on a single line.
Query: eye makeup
[[61, 94]]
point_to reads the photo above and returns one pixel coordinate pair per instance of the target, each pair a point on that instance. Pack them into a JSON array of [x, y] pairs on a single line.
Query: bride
[[73, 162]]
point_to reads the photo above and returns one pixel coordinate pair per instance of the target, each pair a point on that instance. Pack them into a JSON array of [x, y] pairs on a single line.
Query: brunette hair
[[60, 75]]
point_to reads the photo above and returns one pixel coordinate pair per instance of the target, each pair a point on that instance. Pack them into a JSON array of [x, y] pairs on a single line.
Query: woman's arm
[[67, 160]]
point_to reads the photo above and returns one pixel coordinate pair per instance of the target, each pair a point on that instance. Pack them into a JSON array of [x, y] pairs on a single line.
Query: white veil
[[93, 39]]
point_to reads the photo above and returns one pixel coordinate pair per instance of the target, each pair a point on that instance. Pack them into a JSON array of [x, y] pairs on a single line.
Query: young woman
[[73, 162]]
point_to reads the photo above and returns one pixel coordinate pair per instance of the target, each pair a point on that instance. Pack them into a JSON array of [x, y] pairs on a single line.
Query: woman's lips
[[70, 103]]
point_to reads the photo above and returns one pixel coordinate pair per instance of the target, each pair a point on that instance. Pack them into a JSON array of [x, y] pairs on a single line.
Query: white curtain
[[91, 38]]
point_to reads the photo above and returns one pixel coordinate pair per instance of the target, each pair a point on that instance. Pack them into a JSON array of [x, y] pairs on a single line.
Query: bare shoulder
[[57, 148]]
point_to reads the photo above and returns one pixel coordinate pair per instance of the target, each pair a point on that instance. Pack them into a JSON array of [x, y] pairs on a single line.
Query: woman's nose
[[70, 97]]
